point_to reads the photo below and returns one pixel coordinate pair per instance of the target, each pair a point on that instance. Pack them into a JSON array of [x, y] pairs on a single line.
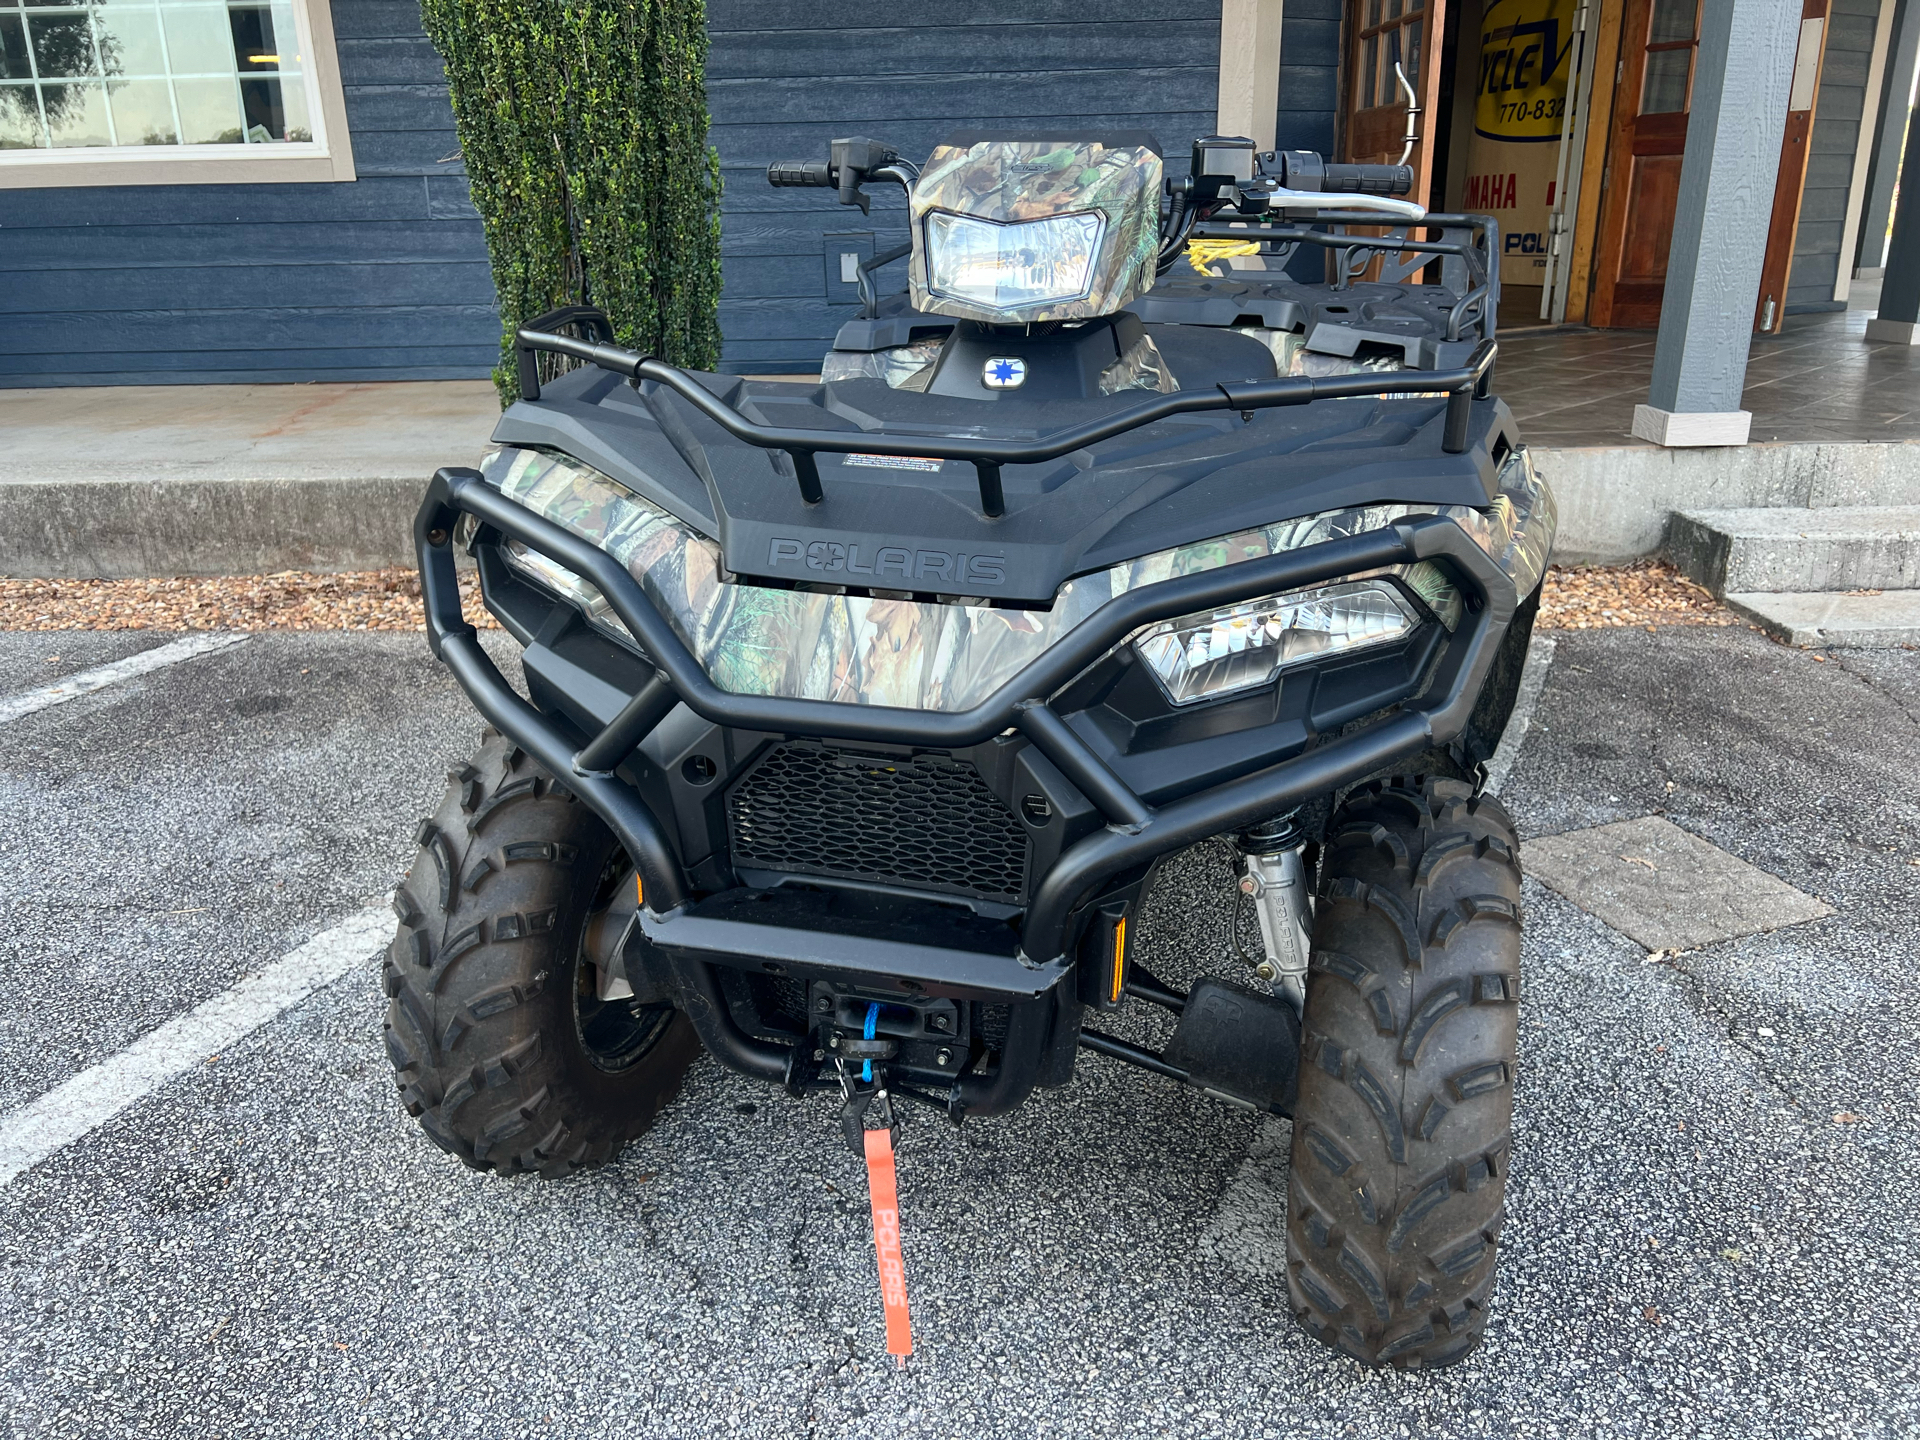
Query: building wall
[[384, 278], [1832, 146], [782, 80], [1309, 75]]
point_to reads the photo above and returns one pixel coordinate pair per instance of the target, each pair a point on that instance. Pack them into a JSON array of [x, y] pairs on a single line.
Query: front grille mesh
[[928, 823]]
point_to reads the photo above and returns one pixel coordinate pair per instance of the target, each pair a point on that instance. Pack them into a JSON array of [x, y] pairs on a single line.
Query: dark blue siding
[[381, 279], [386, 278], [783, 79], [1309, 75]]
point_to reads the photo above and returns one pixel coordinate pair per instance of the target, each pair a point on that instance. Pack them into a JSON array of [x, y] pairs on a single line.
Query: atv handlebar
[[817, 173], [850, 162], [1304, 170]]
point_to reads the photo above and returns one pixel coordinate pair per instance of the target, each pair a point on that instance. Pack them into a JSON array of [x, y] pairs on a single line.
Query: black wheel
[[502, 1044], [1403, 1124]]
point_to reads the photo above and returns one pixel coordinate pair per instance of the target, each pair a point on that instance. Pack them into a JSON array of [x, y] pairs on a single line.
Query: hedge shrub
[[583, 126]]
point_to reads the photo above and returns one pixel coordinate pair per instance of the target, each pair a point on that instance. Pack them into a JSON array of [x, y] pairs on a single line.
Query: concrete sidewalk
[[226, 479], [251, 479]]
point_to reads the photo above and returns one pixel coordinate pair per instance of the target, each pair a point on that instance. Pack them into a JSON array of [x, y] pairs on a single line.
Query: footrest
[[1240, 1045]]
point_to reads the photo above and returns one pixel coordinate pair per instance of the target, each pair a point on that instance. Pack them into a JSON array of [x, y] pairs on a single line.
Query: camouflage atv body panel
[[1006, 180]]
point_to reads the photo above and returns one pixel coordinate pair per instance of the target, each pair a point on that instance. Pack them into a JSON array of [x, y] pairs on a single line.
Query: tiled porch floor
[[1820, 380]]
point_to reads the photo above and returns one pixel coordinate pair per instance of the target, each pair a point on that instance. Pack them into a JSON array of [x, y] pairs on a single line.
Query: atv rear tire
[[1403, 1124], [500, 1044]]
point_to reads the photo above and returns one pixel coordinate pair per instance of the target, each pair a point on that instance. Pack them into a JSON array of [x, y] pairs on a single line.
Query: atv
[[860, 715]]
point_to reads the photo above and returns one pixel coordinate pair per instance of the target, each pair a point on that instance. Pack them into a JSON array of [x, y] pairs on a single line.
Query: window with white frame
[[158, 80]]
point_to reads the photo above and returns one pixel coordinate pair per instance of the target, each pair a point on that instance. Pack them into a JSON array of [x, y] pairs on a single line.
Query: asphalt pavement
[[268, 1246]]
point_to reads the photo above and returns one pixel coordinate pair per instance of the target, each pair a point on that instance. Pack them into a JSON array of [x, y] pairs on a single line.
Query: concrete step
[[1869, 620], [1780, 551]]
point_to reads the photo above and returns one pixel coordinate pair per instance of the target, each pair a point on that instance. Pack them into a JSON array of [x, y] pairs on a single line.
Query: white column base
[[1692, 427], [1899, 332]]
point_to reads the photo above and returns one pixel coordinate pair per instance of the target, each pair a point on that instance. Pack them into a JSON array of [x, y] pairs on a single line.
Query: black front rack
[[1462, 385]]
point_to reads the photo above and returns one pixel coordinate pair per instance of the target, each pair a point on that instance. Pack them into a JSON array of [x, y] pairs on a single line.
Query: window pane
[[20, 118], [199, 40], [1413, 54], [142, 112], [1672, 20], [1369, 62], [62, 43], [286, 37], [264, 102], [1666, 89], [130, 41], [13, 49], [151, 72], [1393, 9], [1389, 85], [209, 112], [1373, 13], [77, 114]]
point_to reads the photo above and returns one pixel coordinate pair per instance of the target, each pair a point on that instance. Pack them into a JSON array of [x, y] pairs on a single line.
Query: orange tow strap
[[886, 1243]]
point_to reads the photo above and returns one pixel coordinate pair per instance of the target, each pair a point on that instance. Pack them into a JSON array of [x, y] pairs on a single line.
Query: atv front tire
[[500, 1042], [1402, 1128]]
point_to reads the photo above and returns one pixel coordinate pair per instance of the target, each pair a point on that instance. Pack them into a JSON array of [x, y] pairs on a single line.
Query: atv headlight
[[1028, 262], [1202, 657]]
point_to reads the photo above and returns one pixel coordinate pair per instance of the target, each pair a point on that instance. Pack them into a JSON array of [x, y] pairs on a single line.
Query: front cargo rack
[[1462, 384]]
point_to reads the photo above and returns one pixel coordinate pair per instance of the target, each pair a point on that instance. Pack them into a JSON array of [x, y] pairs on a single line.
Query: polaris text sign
[[886, 562]]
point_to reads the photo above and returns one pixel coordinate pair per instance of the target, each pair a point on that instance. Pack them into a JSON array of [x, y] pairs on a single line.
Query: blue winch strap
[[873, 1017]]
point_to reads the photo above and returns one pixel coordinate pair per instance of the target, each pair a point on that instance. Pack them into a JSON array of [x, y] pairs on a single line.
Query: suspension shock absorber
[[1273, 872]]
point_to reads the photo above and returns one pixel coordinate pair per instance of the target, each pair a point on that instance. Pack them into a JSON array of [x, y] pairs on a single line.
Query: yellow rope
[[1202, 253]]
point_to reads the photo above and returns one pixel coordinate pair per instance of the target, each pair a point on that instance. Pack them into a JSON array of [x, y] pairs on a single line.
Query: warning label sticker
[[895, 462]]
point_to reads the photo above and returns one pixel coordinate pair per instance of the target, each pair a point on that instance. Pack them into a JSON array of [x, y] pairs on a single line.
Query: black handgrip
[[1304, 170], [1367, 179], [817, 173]]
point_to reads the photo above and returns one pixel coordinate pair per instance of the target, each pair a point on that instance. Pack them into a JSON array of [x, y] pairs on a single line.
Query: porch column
[[1742, 73], [1899, 317], [1249, 102]]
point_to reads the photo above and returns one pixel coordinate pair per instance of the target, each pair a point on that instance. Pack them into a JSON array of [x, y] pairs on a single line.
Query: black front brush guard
[[1135, 834]]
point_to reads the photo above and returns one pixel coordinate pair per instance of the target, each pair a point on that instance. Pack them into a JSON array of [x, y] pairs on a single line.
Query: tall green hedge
[[583, 126]]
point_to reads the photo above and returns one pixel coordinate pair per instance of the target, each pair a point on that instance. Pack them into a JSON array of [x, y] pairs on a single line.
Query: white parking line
[[101, 676], [1533, 679], [64, 1114]]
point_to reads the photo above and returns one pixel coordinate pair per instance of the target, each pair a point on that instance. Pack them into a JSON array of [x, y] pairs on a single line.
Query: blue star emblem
[[1004, 372]]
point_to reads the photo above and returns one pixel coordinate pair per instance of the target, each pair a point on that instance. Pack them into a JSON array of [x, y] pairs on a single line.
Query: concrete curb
[[1616, 503], [111, 529]]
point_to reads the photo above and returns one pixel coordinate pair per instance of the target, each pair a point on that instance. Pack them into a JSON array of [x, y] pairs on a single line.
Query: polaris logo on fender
[[830, 557]]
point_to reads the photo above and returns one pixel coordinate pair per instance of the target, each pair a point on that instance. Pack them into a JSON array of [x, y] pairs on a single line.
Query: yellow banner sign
[[1526, 53]]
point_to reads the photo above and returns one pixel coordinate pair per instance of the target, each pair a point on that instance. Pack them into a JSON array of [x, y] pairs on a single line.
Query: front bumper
[[1135, 833]]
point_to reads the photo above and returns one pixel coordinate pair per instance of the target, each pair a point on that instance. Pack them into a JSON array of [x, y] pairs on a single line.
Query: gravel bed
[[1646, 595], [290, 600], [1586, 597]]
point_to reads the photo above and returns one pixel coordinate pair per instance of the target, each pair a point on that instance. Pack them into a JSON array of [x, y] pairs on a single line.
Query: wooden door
[[1770, 310], [1657, 47], [1381, 34]]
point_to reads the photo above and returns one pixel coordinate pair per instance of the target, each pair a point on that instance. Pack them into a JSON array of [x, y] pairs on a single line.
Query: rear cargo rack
[[1469, 265], [1463, 384]]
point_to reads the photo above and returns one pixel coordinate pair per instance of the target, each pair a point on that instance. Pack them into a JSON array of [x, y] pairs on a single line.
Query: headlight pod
[[1206, 657], [1027, 262], [584, 594]]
